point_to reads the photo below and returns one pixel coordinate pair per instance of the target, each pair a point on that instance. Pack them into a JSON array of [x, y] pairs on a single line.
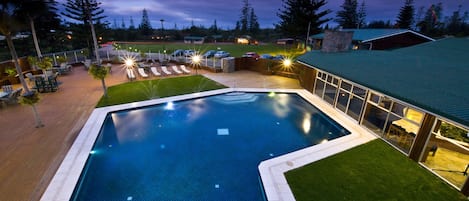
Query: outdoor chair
[[142, 73], [175, 69], [130, 73], [7, 88], [87, 63], [184, 69], [64, 68], [165, 70], [12, 98], [154, 71]]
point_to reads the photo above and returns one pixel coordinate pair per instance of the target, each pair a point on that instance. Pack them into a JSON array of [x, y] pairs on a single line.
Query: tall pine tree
[[145, 26], [86, 11], [244, 18], [348, 17], [254, 27], [297, 15], [361, 15], [405, 19]]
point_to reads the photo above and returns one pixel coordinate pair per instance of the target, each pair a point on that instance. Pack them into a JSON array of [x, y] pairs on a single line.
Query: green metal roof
[[433, 76], [365, 35]]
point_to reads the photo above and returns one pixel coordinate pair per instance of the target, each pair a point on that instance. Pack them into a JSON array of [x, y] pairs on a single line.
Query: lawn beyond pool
[[157, 88], [235, 50], [373, 171]]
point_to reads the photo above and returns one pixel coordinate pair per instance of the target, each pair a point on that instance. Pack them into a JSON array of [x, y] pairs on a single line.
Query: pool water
[[201, 149]]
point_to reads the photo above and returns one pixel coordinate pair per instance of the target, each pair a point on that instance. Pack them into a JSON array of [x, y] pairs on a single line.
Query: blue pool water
[[200, 149]]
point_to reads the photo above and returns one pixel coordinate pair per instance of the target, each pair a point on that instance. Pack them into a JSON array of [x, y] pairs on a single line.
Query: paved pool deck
[[31, 156]]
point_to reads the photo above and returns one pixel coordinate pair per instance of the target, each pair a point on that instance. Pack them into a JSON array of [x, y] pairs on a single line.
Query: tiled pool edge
[[272, 171], [63, 183]]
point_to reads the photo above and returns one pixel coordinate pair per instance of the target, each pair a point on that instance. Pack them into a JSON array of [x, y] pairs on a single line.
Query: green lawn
[[158, 88], [236, 50], [373, 171]]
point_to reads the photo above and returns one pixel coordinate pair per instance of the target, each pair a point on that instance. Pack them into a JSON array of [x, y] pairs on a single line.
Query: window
[[355, 107], [319, 89], [342, 100], [447, 152], [346, 86], [329, 94], [375, 118]]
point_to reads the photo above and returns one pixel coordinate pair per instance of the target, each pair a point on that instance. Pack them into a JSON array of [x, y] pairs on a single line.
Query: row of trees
[[296, 18], [297, 15]]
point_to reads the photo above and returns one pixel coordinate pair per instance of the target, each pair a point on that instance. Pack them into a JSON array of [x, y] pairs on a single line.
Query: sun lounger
[[175, 69], [130, 74], [154, 71], [142, 73], [184, 69], [165, 70]]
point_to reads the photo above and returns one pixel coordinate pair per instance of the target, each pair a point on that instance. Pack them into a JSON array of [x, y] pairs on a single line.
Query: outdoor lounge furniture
[[7, 88], [12, 97], [48, 84], [184, 69], [165, 70], [176, 70], [130, 73], [154, 71], [142, 73], [64, 68], [87, 64]]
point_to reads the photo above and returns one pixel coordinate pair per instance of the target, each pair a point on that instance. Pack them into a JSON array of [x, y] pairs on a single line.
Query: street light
[[195, 62]]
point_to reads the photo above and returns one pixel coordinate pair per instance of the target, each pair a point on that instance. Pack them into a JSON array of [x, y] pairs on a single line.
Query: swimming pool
[[200, 149]]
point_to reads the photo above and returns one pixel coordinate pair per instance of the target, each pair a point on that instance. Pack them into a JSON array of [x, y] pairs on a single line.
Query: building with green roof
[[377, 39], [415, 98]]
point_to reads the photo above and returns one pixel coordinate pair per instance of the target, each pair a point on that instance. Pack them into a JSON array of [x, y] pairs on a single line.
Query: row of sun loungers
[[155, 72]]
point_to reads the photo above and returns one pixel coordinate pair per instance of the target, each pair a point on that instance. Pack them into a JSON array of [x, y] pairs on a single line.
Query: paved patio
[[30, 156]]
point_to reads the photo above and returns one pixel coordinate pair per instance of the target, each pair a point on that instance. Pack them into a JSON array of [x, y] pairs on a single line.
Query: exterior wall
[[337, 41], [266, 67], [397, 41]]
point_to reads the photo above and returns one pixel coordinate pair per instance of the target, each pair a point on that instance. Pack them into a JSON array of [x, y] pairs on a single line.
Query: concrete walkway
[[30, 156]]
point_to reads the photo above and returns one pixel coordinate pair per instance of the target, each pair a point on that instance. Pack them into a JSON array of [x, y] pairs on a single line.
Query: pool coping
[[275, 186]]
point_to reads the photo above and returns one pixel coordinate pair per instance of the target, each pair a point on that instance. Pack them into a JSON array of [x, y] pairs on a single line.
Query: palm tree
[[99, 73], [9, 25], [32, 10]]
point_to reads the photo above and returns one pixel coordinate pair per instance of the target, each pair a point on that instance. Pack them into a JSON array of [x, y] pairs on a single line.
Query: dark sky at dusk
[[203, 12]]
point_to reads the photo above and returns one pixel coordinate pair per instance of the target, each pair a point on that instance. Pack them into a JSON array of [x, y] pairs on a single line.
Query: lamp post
[[162, 28], [196, 62]]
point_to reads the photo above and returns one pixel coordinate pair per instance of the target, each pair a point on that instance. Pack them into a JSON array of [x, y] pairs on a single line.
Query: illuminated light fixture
[[169, 106], [287, 62], [195, 61], [93, 152], [129, 62], [324, 141], [306, 123], [271, 94]]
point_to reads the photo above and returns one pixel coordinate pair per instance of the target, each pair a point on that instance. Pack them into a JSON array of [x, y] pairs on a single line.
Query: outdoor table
[[3, 94]]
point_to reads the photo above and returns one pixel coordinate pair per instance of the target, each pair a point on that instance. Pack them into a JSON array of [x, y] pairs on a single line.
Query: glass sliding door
[[447, 152]]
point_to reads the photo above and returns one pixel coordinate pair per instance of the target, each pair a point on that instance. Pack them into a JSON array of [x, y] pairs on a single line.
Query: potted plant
[[31, 98], [61, 60], [45, 64], [32, 62], [10, 71]]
